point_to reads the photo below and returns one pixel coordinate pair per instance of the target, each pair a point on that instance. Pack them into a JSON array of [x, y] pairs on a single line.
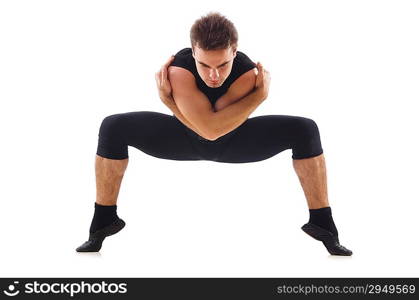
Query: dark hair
[[213, 32]]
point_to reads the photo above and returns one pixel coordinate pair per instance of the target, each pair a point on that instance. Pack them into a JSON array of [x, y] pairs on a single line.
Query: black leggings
[[164, 136]]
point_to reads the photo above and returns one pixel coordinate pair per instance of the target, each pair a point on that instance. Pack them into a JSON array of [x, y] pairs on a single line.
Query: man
[[211, 88]]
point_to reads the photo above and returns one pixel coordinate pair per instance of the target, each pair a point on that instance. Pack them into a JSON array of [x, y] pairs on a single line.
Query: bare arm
[[196, 108], [165, 93], [235, 114], [171, 104], [240, 88]]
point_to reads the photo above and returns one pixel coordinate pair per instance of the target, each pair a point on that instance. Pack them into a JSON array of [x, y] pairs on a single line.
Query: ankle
[[322, 217], [104, 215]]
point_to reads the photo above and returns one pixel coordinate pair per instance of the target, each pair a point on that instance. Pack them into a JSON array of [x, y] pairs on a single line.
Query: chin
[[214, 85]]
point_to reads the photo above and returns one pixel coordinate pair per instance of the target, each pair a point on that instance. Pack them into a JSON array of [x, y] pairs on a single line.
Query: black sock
[[104, 216], [323, 217]]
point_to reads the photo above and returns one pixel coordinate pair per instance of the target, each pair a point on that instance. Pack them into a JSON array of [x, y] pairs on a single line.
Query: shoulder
[[182, 81], [242, 55], [182, 67], [179, 73], [244, 83], [243, 68], [184, 53], [184, 59], [244, 61]]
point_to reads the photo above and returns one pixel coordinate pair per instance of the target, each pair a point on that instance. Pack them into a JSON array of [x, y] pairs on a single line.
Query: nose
[[214, 75]]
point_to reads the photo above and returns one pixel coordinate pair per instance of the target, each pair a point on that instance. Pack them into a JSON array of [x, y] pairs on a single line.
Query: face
[[214, 66]]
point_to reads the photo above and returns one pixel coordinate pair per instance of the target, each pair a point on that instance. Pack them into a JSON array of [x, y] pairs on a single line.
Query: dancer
[[211, 88]]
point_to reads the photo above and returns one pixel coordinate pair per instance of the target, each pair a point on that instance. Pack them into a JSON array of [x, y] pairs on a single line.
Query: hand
[[163, 83], [263, 81]]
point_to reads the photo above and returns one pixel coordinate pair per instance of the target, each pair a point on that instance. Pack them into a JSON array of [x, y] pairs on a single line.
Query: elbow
[[209, 134], [212, 134], [210, 131], [206, 133], [213, 131]]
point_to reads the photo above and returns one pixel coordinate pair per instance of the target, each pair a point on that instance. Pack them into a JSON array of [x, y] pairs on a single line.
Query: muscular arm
[[196, 108], [240, 88], [170, 103]]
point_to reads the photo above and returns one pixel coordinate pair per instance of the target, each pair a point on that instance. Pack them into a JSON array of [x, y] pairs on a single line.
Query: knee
[[307, 139], [308, 128], [111, 125]]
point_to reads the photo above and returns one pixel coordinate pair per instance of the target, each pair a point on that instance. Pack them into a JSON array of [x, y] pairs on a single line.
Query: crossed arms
[[178, 91]]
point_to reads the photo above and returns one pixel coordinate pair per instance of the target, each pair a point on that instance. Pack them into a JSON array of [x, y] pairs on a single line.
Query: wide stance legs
[[310, 171], [165, 137]]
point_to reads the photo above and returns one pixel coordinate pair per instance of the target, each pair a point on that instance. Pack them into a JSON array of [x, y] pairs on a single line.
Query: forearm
[[172, 106], [235, 114], [220, 105]]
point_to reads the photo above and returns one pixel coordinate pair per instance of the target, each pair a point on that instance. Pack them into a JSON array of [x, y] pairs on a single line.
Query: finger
[[260, 68], [261, 71], [163, 75], [169, 61], [158, 78]]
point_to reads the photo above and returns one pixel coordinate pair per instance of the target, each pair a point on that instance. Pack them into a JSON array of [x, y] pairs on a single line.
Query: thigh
[[156, 134], [262, 137]]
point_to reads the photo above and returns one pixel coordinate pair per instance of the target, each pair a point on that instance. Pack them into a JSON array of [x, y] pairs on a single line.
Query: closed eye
[[220, 66]]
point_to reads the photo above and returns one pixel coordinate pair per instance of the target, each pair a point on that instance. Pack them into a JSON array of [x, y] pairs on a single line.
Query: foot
[[330, 240], [95, 239]]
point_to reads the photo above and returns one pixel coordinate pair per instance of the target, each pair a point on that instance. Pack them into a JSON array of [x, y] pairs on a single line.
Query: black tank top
[[241, 65]]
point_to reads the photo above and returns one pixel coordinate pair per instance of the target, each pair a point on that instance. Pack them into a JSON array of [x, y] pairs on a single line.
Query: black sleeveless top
[[241, 64]]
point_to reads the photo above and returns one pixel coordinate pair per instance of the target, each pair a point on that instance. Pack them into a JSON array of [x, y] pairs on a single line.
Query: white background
[[352, 66]]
